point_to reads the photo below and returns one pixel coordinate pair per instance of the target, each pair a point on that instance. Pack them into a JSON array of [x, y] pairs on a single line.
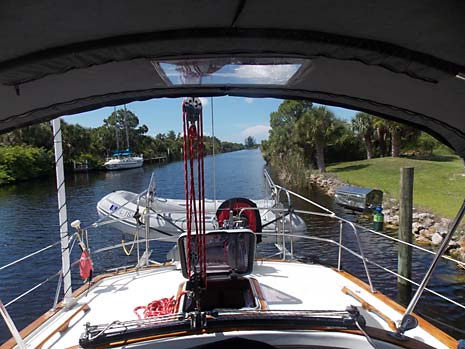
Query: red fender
[[85, 265]]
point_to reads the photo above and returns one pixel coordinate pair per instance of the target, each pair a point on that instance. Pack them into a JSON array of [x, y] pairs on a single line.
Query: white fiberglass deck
[[284, 285]]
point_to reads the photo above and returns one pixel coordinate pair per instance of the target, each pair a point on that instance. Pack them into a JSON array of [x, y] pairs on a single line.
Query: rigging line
[[213, 155], [29, 255], [33, 288], [199, 191], [202, 202], [186, 193], [168, 221], [111, 214], [193, 204], [408, 244], [369, 339], [411, 281], [123, 243]]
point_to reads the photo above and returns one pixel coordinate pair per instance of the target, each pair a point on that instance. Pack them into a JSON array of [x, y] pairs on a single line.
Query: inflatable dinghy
[[168, 218]]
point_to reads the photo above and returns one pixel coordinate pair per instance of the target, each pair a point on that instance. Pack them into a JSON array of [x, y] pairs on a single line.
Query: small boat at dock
[[123, 160]]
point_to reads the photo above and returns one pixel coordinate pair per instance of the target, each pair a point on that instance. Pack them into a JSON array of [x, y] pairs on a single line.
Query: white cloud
[[248, 100], [268, 74], [260, 132]]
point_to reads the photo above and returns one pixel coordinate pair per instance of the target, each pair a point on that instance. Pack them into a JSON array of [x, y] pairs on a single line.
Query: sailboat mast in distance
[[116, 128], [126, 126]]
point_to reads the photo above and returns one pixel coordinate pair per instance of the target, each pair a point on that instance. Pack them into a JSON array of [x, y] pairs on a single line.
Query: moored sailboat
[[123, 159]]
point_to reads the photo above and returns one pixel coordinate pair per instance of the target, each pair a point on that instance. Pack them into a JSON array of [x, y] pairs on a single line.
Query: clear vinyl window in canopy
[[229, 71]]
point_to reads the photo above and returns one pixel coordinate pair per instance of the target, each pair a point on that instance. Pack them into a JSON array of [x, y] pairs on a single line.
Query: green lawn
[[439, 185]]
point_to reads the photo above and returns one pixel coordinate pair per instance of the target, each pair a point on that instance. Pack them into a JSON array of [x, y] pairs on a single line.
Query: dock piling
[[404, 264]]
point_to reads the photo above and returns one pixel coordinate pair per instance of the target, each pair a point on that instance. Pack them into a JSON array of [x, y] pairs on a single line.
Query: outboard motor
[[238, 213]]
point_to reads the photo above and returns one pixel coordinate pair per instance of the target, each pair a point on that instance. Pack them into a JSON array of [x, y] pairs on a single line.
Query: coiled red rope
[[159, 307]]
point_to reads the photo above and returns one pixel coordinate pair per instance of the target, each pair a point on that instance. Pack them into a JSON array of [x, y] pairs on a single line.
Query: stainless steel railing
[[327, 213], [286, 236]]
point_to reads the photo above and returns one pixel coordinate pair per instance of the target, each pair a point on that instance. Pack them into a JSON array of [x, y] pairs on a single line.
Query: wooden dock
[[81, 167], [156, 159]]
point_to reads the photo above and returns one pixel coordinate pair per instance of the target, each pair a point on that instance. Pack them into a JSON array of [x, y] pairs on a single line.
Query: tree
[[426, 144], [381, 133], [400, 133], [362, 125], [124, 126], [76, 140], [317, 124], [250, 142], [39, 135], [342, 145], [300, 132], [395, 129], [282, 141]]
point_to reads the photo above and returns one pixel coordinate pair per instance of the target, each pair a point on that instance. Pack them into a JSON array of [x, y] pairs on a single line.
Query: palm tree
[[313, 128], [362, 124], [381, 133], [396, 134]]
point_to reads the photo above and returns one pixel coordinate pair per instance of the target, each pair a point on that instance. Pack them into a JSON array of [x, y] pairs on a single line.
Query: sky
[[235, 118]]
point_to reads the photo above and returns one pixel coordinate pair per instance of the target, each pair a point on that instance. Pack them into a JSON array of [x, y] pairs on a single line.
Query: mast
[[63, 218], [116, 129], [126, 126]]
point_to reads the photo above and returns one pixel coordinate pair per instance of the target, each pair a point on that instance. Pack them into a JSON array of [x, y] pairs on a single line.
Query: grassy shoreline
[[439, 183]]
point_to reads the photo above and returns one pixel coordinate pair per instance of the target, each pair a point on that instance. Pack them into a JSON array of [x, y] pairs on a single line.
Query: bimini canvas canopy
[[403, 60]]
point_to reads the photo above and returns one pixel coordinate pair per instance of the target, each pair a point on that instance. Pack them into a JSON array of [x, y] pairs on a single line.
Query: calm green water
[[29, 221]]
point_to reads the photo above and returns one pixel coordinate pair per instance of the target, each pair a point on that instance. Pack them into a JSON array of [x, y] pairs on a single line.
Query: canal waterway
[[29, 221]]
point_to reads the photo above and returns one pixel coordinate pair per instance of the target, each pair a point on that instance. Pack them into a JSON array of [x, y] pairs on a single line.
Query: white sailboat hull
[[124, 163]]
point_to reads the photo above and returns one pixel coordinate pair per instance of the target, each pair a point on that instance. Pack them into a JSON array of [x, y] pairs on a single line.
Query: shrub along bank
[[18, 163]]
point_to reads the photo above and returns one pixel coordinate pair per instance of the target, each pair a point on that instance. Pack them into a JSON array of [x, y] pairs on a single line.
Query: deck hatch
[[228, 252]]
